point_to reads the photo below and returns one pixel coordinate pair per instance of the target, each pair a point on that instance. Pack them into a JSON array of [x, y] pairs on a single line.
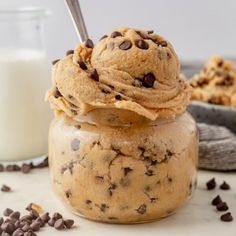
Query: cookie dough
[[127, 69], [126, 174], [216, 83]]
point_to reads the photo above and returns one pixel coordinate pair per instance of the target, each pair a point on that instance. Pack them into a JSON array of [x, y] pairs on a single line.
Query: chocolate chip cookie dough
[[122, 148], [216, 83]]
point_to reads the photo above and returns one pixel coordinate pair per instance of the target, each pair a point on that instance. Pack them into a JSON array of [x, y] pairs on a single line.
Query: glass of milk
[[24, 78]]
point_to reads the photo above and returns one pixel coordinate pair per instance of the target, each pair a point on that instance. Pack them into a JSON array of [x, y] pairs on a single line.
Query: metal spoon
[[77, 18]]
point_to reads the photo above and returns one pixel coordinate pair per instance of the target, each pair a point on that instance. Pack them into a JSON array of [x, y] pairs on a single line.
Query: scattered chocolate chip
[[125, 45], [51, 222], [1, 168], [222, 206], [94, 75], [29, 207], [18, 232], [16, 167], [7, 212], [103, 207], [82, 65], [111, 188], [168, 55], [26, 227], [57, 93], [227, 217], [69, 223], [150, 31], [34, 214], [10, 168], [57, 216], [68, 193], [27, 218], [153, 162], [89, 43], [15, 215], [75, 144], [220, 63], [29, 233], [69, 52], [8, 227], [142, 209], [55, 61], [35, 226], [115, 34], [45, 217], [118, 97], [140, 43], [59, 224], [148, 80], [216, 200], [211, 184], [225, 186], [5, 188], [127, 170], [88, 201], [25, 168], [170, 180], [162, 43], [103, 37]]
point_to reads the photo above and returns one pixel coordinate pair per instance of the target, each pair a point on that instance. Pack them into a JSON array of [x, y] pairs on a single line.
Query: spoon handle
[[77, 18]]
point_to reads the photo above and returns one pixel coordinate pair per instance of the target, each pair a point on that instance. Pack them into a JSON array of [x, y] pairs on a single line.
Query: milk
[[24, 118]]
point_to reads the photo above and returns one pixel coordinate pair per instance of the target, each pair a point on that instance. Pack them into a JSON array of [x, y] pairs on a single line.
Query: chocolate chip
[[127, 170], [225, 186], [27, 218], [153, 162], [88, 201], [57, 216], [16, 167], [8, 227], [25, 168], [144, 36], [69, 223], [35, 226], [78, 126], [142, 209], [68, 193], [1, 168], [15, 215], [148, 80], [7, 212], [51, 222], [227, 217], [34, 214], [162, 43], [103, 37], [5, 188], [103, 207], [18, 232], [211, 184], [168, 55], [216, 200], [89, 43], [69, 52], [45, 217], [55, 61], [75, 144], [57, 93], [29, 233], [26, 227], [142, 44], [118, 97], [111, 188], [150, 31], [125, 45], [115, 34], [29, 207], [10, 168], [82, 65], [94, 75], [222, 206], [59, 224]]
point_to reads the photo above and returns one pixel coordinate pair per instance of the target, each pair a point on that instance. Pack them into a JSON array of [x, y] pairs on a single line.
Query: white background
[[197, 29]]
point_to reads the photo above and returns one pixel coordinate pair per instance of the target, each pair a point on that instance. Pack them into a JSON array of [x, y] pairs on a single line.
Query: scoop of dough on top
[[127, 69]]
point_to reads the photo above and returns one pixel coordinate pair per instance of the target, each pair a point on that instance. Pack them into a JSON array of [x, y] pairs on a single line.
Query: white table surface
[[198, 217]]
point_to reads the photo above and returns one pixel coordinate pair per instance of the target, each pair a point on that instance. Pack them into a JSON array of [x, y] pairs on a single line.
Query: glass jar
[[25, 75], [115, 166]]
